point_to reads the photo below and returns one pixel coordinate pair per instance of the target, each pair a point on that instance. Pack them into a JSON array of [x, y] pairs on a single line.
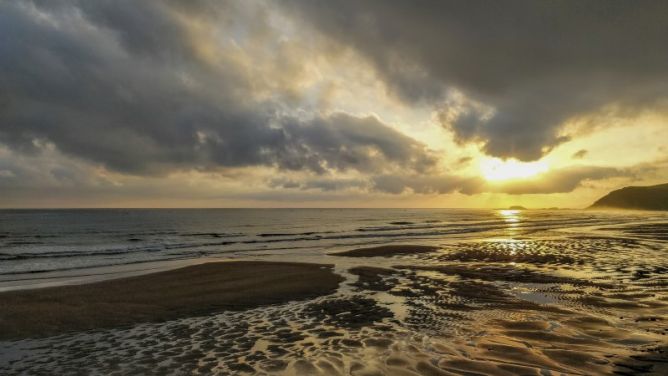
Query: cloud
[[463, 161], [536, 64], [579, 154], [323, 184], [561, 180], [49, 178], [147, 88], [342, 141], [226, 100], [45, 172], [420, 184]]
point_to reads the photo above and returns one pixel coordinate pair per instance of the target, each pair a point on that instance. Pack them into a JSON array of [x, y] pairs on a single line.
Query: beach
[[519, 294], [333, 188], [185, 292]]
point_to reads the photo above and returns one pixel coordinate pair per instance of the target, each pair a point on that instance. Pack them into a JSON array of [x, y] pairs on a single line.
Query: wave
[[268, 238], [115, 246], [211, 234]]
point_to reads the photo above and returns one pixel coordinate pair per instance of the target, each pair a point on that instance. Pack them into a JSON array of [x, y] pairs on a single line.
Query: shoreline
[[156, 297]]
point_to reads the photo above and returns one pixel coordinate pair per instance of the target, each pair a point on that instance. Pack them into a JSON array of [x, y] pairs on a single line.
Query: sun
[[494, 169]]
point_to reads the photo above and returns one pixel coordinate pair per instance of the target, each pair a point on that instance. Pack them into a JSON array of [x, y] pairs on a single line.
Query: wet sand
[[387, 250], [190, 291], [539, 303]]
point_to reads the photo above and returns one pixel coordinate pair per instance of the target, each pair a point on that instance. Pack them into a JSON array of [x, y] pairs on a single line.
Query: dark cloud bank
[[535, 63], [123, 83], [100, 81]]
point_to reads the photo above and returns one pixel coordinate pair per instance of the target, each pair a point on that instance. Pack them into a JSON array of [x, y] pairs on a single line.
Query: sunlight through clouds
[[495, 169]]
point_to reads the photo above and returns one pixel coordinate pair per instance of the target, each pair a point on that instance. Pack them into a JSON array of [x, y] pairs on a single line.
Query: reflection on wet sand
[[575, 302]]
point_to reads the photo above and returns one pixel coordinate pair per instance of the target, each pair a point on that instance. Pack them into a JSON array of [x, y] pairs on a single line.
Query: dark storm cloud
[[536, 63], [342, 141], [125, 84]]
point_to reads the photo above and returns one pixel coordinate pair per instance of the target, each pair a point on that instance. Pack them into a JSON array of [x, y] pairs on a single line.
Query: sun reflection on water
[[512, 219]]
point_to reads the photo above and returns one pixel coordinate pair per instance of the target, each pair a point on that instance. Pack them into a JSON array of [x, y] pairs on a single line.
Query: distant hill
[[643, 198]]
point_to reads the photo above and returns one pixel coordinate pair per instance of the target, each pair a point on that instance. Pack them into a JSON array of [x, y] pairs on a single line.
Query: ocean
[[33, 242]]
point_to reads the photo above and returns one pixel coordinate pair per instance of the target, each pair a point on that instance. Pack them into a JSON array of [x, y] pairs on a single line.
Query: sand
[[387, 250], [190, 291], [570, 303]]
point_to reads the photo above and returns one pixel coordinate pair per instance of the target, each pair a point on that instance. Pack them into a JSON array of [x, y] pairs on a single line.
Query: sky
[[298, 103]]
